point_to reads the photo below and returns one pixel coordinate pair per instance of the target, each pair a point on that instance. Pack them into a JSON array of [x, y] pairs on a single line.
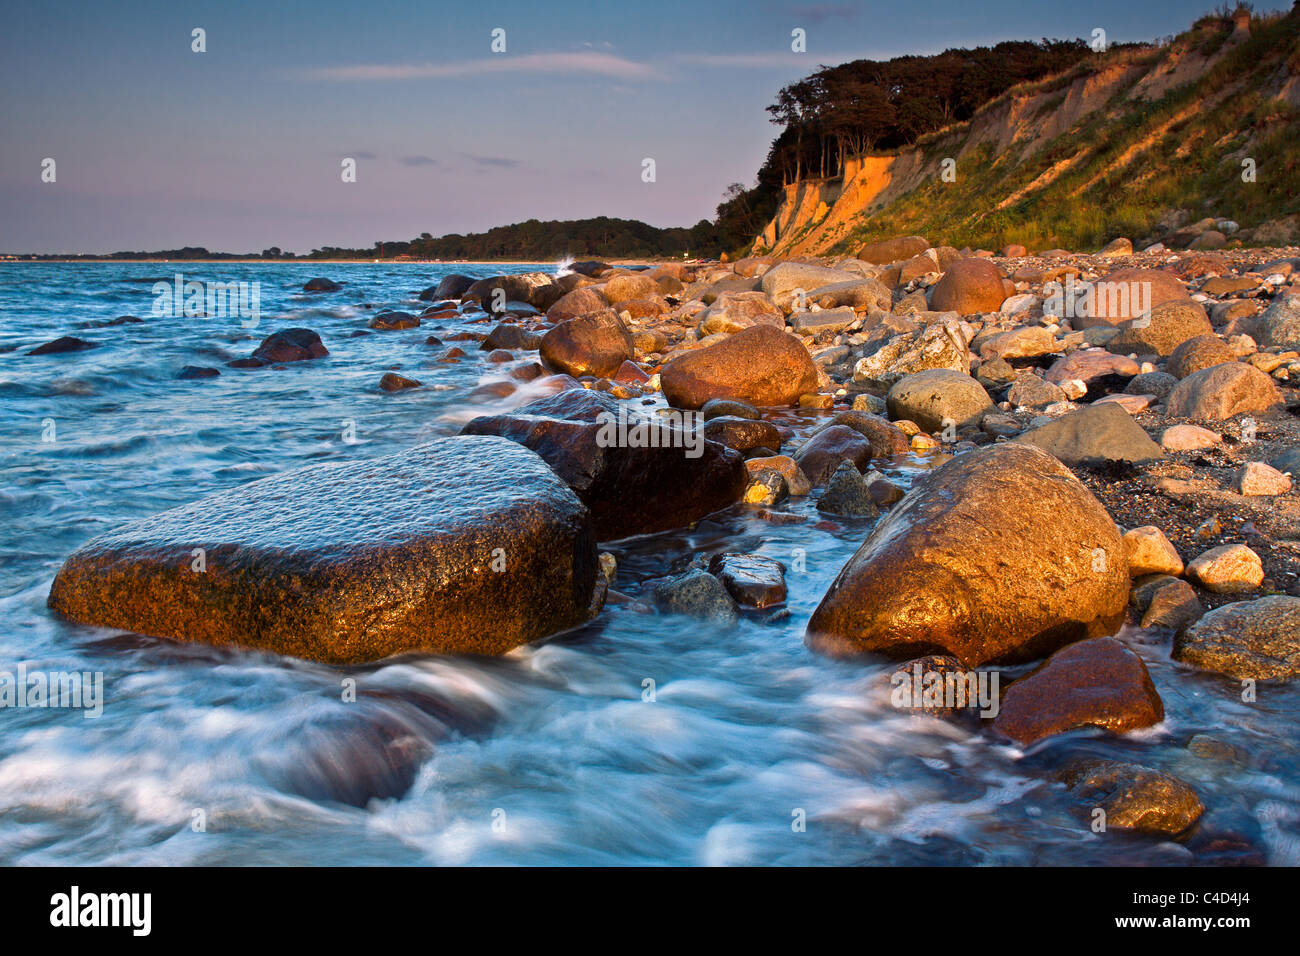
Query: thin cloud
[[768, 60], [419, 161], [496, 161], [819, 12], [582, 62]]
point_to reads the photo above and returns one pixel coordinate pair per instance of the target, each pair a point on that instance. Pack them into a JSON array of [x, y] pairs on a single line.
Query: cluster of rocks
[[1046, 394]]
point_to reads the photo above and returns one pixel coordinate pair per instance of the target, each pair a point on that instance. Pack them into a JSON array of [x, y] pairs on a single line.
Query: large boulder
[[1094, 435], [999, 555], [450, 287], [1279, 325], [936, 398], [761, 365], [290, 345], [1126, 294], [1203, 351], [940, 345], [1222, 391], [789, 276], [597, 343], [969, 286], [537, 289], [733, 311], [628, 288], [1096, 683], [644, 477], [892, 250], [1168, 326], [1248, 640], [459, 545], [864, 295], [578, 302]]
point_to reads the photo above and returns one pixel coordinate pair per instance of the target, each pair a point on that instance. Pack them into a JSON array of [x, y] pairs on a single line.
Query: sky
[[240, 147]]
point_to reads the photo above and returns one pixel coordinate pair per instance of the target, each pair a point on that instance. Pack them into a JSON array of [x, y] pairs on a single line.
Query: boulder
[[1134, 797], [593, 344], [886, 438], [823, 320], [461, 545], [788, 276], [627, 288], [938, 398], [821, 454], [1227, 569], [969, 286], [1127, 294], [1248, 640], [1223, 391], [1029, 341], [751, 579], [450, 287], [1188, 438], [1094, 683], [1094, 435], [321, 285], [1280, 325], [1001, 554], [62, 345], [1159, 384], [576, 303], [1167, 326], [864, 295], [392, 382], [760, 365], [646, 477], [1255, 478], [742, 434], [190, 372], [892, 250], [733, 311], [1087, 365], [1031, 391], [939, 345], [537, 289], [290, 345]]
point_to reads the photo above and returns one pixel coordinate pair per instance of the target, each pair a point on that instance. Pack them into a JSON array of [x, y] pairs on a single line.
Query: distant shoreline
[[312, 262]]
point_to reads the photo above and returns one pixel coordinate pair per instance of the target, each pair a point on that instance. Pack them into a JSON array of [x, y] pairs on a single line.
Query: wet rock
[[459, 545], [696, 594], [593, 344], [639, 479], [821, 454], [797, 483], [1248, 640], [1000, 554], [751, 579], [1200, 352], [537, 289], [1094, 683], [198, 371], [937, 399], [1227, 569], [508, 336], [321, 285], [63, 345], [1258, 479], [742, 434], [1135, 797], [765, 487], [1170, 603], [922, 685], [1223, 391], [883, 491], [969, 286], [290, 345], [847, 494], [886, 439], [760, 365], [718, 407], [1093, 436], [1150, 552], [392, 382], [453, 286], [393, 321]]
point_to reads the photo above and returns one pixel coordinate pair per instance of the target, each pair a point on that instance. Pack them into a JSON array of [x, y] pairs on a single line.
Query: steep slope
[[1133, 142]]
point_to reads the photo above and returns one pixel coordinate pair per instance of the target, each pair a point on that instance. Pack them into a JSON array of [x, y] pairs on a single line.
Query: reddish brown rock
[[593, 344], [892, 250], [969, 286], [999, 555], [1096, 683], [761, 365]]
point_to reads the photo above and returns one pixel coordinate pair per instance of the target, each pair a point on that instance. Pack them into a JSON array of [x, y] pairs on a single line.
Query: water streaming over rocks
[[637, 738]]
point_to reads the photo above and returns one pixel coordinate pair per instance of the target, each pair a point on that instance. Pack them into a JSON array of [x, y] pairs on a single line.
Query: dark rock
[[66, 343], [1095, 683], [198, 371], [392, 382], [290, 345], [321, 285], [742, 434], [459, 545], [885, 438], [847, 494], [717, 407], [630, 490], [506, 336], [766, 487], [696, 594], [821, 454], [751, 579], [450, 287], [393, 321]]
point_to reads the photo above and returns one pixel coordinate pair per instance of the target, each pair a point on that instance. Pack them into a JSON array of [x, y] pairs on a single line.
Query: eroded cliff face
[[1049, 125]]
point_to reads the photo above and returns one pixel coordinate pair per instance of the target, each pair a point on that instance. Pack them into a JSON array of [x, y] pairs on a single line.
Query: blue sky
[[239, 148]]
